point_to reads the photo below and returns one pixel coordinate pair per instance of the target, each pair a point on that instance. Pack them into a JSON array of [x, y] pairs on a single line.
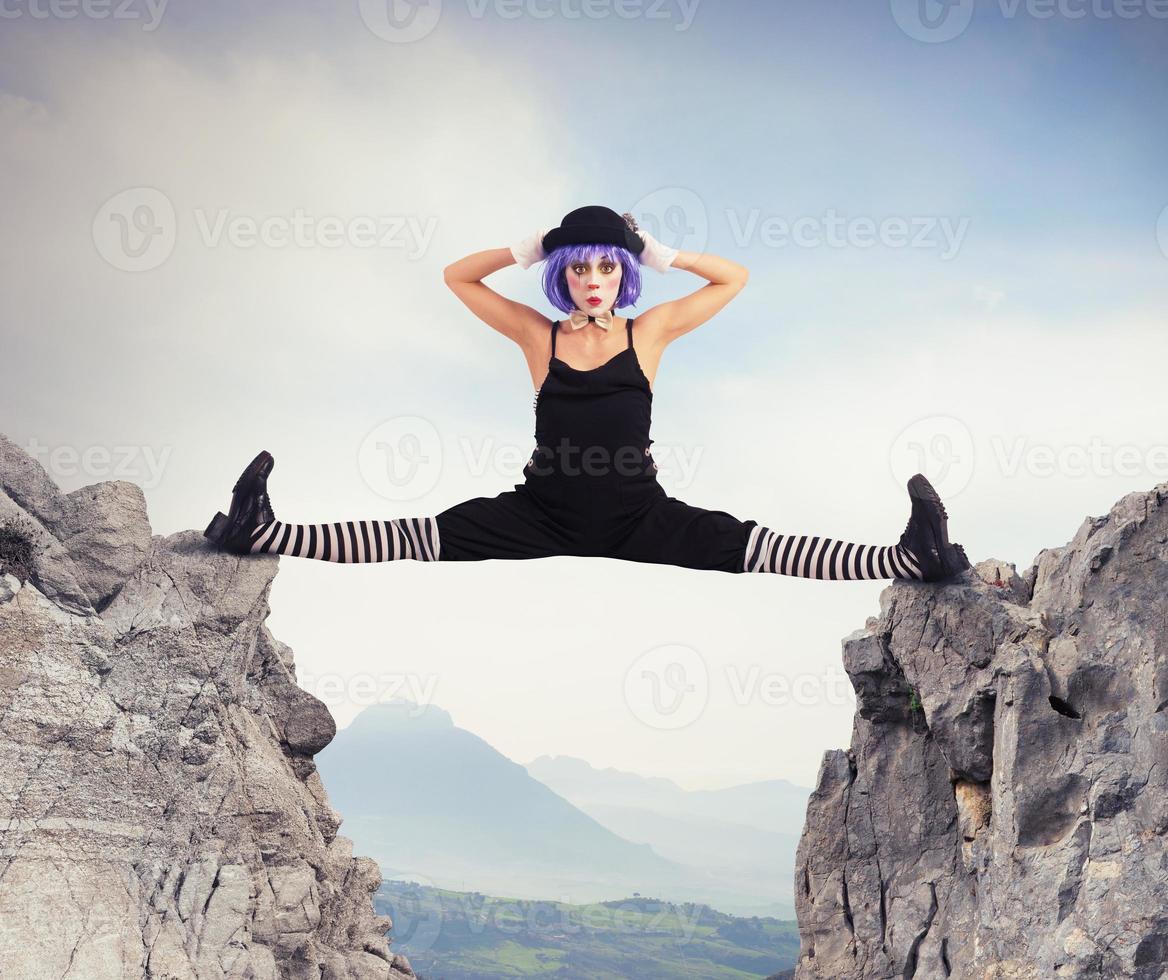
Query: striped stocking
[[825, 558], [351, 541]]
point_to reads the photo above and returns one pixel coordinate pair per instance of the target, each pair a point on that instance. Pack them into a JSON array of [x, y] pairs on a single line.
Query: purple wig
[[559, 260]]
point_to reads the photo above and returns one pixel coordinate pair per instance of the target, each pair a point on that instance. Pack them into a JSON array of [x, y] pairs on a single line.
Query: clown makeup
[[573, 272], [593, 285]]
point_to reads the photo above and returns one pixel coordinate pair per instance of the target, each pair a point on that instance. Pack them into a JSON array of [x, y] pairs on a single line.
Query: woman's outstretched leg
[[416, 538], [251, 527], [817, 557], [923, 552], [673, 532], [511, 525]]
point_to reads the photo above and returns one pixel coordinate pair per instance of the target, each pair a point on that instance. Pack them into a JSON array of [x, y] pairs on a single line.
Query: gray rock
[[1001, 812], [25, 481], [105, 530], [160, 812]]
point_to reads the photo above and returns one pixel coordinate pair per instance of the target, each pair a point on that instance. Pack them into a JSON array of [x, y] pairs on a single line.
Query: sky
[[225, 229]]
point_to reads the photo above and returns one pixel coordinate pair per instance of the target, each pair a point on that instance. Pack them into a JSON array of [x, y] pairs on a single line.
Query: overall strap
[[629, 328], [554, 326]]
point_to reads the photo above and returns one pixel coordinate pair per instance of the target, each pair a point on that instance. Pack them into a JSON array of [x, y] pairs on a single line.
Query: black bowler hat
[[595, 224]]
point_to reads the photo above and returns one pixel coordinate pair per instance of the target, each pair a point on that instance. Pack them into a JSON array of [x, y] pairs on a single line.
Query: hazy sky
[[224, 230]]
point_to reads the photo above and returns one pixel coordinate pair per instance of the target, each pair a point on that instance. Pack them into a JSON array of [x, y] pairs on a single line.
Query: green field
[[450, 935]]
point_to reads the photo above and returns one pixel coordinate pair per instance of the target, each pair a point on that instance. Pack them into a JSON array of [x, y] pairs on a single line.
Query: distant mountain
[[773, 805], [428, 799], [745, 836]]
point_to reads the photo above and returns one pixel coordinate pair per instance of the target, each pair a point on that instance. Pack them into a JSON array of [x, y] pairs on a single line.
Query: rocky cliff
[[160, 812], [1002, 812]]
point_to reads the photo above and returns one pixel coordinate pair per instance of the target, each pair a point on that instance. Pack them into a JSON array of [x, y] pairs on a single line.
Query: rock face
[[160, 812], [1002, 811]]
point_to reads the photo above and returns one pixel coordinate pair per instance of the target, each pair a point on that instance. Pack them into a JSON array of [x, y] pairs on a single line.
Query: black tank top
[[595, 422]]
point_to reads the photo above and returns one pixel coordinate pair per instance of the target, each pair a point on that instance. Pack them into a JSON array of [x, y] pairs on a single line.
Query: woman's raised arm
[[517, 321], [672, 319]]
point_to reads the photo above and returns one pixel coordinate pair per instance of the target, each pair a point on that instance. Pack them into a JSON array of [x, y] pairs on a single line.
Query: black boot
[[250, 507], [927, 534]]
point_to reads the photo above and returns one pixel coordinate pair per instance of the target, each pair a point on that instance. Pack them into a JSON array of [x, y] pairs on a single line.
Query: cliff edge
[[160, 812], [1002, 810]]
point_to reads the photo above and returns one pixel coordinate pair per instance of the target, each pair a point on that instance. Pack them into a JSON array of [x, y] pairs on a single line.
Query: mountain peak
[[401, 714]]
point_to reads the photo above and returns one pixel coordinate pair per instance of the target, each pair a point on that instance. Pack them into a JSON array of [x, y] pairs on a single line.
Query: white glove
[[530, 250], [656, 255]]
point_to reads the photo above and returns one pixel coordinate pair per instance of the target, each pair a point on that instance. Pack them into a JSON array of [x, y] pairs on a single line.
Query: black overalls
[[591, 485]]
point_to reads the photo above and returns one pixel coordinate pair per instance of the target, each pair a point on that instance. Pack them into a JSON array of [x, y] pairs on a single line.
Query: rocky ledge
[[1002, 810], [160, 814]]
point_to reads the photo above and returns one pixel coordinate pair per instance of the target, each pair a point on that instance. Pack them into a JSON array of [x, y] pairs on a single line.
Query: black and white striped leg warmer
[[826, 558], [351, 541]]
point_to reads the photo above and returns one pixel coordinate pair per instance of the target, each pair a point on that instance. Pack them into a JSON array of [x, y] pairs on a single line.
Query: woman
[[590, 487]]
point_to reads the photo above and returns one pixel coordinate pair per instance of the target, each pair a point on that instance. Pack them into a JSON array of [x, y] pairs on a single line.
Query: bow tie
[[578, 319]]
